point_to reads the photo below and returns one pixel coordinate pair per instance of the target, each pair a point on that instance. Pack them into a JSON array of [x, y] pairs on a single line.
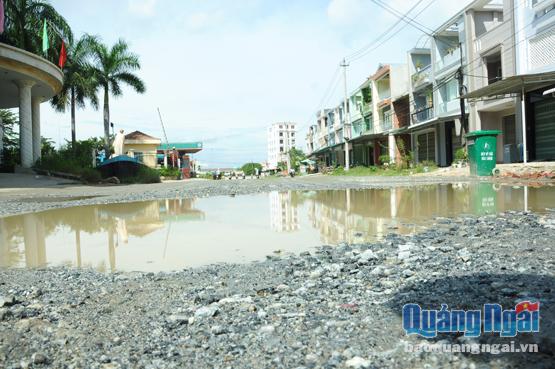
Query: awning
[[425, 124], [514, 84]]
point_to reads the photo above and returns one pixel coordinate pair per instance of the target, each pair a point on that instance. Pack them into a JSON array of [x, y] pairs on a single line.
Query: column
[[1, 141], [25, 123], [35, 107], [392, 147]]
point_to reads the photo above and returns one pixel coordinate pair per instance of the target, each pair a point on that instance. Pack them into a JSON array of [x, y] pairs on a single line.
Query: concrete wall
[[148, 150]]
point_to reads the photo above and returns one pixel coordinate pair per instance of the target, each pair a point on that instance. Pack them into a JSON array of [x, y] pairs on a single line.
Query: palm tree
[[114, 66], [79, 82], [24, 23]]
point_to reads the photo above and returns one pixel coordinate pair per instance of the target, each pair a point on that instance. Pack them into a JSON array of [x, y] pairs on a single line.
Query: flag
[[527, 305], [63, 56], [44, 38], [1, 16]]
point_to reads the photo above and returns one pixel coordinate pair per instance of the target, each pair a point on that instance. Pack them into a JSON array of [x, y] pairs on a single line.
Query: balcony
[[423, 114], [422, 77], [451, 58], [449, 107]]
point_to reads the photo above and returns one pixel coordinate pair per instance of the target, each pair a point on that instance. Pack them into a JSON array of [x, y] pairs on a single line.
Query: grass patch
[[391, 170]]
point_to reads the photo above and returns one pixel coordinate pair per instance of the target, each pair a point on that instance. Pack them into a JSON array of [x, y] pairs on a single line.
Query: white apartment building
[[281, 138]]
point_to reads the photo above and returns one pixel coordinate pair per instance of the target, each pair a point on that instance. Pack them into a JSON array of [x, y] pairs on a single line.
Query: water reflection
[[177, 233], [115, 222]]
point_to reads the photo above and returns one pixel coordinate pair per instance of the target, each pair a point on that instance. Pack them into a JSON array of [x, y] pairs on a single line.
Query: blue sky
[[222, 71]]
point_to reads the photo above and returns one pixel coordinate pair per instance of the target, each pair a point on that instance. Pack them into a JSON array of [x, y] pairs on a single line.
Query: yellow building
[[142, 146]]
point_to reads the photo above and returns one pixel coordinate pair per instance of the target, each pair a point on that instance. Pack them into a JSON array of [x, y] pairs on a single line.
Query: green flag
[[44, 38]]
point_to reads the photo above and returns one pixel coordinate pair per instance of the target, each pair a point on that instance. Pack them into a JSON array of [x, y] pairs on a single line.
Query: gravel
[[337, 307]]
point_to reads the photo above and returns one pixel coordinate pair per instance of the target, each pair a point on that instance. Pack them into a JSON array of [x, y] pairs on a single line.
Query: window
[[281, 134], [292, 134], [493, 66], [281, 142]]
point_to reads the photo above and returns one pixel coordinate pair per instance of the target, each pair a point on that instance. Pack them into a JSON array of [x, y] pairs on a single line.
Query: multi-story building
[[535, 55], [378, 111], [281, 138], [491, 58], [492, 53], [435, 119], [521, 63]]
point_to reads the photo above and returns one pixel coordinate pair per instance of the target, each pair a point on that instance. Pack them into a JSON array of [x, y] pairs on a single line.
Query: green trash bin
[[482, 152]]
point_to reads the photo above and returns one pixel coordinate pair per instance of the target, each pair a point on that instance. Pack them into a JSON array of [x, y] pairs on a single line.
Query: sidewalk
[[11, 181]]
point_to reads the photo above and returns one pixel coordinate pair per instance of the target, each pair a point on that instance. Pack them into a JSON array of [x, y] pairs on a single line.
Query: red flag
[[63, 56], [527, 305]]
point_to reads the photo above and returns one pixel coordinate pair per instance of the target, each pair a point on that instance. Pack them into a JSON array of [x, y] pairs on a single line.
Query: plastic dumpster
[[482, 152]]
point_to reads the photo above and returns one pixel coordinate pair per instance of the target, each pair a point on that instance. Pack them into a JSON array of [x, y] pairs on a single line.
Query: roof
[[514, 84], [140, 136], [182, 146]]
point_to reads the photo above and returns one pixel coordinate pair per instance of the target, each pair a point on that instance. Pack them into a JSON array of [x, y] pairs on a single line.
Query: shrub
[[384, 159], [461, 155], [144, 175], [169, 172], [90, 175]]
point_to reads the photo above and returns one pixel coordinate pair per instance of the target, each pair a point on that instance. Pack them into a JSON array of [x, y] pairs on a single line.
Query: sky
[[222, 71]]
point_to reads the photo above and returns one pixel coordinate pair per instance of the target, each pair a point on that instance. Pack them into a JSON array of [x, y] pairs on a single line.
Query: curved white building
[[26, 81]]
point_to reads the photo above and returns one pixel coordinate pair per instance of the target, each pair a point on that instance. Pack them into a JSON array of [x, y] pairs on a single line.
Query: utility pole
[[347, 115], [460, 78]]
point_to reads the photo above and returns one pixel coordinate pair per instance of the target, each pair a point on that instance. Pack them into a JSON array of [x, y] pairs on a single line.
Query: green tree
[[295, 158], [249, 168], [79, 82], [113, 67], [47, 146], [24, 24], [9, 156]]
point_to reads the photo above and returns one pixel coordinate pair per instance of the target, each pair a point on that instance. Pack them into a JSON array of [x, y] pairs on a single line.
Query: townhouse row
[[498, 55]]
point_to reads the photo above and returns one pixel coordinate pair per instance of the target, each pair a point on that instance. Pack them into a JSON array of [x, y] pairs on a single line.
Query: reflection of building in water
[[366, 215], [350, 216], [23, 239], [284, 216]]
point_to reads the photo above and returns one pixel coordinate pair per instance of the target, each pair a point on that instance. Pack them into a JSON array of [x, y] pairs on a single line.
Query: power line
[[394, 34], [377, 39], [422, 28]]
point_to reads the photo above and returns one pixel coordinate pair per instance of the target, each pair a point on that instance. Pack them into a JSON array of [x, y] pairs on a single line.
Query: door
[[426, 146], [544, 130]]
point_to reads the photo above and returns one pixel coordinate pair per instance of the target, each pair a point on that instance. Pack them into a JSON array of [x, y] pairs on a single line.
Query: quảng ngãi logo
[[524, 318]]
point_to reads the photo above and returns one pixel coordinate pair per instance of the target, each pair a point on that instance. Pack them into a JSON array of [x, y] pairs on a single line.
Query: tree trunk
[[73, 135], [106, 122]]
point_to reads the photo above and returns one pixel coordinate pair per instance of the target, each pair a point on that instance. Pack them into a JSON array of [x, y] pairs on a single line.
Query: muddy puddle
[[172, 234]]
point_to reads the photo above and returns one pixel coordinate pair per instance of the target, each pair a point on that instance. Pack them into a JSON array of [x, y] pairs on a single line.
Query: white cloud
[[143, 8]]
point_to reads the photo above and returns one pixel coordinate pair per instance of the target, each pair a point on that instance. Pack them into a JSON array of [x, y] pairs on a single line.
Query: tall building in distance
[[281, 139]]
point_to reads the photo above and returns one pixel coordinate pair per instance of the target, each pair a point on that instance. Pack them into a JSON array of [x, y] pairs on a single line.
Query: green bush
[[58, 162], [249, 168], [169, 172], [69, 159], [384, 159], [144, 175], [460, 154], [90, 175]]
